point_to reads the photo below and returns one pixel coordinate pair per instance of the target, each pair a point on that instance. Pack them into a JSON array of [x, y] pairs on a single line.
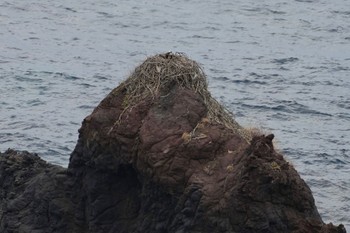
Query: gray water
[[280, 65]]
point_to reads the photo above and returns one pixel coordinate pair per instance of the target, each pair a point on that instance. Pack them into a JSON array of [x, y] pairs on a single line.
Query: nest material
[[166, 69]]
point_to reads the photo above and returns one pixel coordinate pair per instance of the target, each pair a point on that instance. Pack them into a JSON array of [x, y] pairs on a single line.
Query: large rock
[[159, 155]]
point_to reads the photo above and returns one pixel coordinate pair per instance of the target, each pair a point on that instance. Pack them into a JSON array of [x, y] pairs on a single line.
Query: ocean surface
[[283, 66]]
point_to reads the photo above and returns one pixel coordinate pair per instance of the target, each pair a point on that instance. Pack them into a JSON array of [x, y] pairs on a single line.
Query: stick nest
[[163, 70]]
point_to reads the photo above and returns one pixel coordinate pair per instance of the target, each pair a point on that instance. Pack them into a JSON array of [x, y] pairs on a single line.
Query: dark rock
[[160, 166], [35, 195]]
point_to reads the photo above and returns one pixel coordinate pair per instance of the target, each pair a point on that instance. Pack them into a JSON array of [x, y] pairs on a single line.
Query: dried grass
[[163, 70]]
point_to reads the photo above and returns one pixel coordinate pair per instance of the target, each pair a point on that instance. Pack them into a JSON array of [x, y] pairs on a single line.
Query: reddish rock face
[[178, 172], [161, 166]]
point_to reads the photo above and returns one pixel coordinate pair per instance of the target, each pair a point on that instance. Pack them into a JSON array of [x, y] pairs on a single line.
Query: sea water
[[283, 66]]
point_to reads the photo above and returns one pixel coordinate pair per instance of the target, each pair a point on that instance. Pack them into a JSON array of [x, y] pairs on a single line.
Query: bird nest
[[164, 70]]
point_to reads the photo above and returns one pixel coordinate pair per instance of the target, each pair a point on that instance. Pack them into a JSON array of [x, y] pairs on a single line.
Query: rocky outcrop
[[169, 161], [35, 196]]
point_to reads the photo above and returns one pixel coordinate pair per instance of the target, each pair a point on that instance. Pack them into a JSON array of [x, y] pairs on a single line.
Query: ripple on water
[[270, 62], [282, 61]]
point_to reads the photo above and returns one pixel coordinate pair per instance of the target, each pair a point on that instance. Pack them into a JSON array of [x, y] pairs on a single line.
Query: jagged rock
[[159, 156]]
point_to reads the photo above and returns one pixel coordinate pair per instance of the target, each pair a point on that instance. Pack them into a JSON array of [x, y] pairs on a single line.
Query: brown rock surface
[[164, 161]]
